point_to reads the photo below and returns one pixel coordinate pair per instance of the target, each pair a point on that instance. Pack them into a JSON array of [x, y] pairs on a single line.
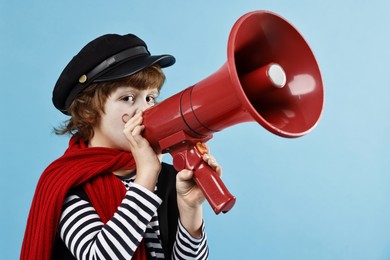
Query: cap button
[[83, 78]]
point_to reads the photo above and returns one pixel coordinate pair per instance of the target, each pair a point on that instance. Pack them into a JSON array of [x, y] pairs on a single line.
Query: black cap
[[107, 58]]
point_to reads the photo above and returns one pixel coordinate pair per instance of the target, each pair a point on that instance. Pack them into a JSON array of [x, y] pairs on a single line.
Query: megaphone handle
[[214, 190]]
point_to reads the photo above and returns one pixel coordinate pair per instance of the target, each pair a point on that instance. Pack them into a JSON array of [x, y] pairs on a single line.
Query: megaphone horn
[[271, 77]]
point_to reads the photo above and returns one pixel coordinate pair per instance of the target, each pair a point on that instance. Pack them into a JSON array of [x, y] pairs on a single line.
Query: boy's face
[[121, 105]]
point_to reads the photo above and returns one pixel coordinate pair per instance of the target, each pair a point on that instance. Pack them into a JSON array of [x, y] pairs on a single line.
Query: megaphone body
[[270, 77]]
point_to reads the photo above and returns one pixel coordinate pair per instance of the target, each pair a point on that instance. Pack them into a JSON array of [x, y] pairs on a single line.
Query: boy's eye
[[128, 98], [151, 99]]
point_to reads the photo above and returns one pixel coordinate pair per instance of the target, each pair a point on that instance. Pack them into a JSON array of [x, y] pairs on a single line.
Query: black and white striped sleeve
[[87, 237], [188, 247]]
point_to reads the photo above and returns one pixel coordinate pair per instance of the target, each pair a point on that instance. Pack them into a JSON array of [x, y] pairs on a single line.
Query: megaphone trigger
[[202, 148]]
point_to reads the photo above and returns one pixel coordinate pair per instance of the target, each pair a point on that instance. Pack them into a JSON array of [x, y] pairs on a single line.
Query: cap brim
[[133, 66]]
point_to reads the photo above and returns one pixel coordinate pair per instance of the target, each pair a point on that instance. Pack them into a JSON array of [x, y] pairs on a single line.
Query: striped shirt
[[87, 237]]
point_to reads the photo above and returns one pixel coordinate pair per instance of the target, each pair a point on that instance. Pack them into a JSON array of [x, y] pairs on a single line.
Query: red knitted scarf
[[80, 165]]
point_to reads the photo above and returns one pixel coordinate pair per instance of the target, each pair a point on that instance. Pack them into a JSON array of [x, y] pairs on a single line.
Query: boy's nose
[[143, 106]]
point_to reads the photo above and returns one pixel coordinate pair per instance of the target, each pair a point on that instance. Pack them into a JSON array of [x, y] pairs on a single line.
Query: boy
[[110, 196]]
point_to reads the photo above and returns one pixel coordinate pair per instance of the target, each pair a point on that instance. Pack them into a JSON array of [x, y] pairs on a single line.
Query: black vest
[[167, 214]]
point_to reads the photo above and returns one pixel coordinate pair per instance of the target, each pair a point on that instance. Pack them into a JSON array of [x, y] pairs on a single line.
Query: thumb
[[184, 175]]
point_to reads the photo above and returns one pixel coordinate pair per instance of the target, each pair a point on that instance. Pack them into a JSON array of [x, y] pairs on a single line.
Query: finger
[[135, 137], [184, 175], [135, 120], [138, 130], [132, 123], [131, 132], [130, 138], [212, 162]]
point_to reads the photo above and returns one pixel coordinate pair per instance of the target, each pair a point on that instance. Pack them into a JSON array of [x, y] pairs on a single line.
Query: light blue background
[[323, 196]]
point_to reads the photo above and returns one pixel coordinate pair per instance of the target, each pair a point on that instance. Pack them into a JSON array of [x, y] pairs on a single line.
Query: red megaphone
[[271, 76]]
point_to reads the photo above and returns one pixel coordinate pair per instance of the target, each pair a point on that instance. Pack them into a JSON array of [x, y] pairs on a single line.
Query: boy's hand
[[147, 161], [187, 189], [190, 197]]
